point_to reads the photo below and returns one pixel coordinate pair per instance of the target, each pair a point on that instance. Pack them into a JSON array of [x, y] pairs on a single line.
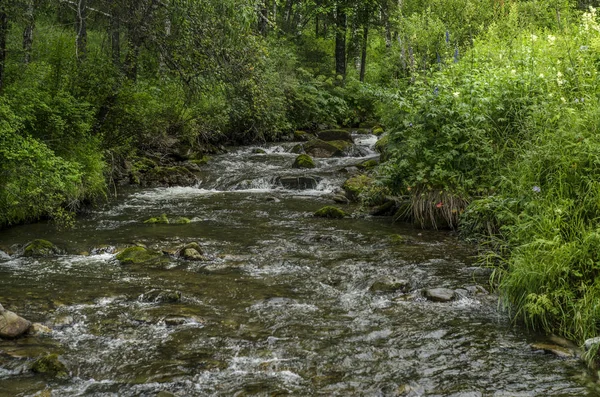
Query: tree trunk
[[3, 34], [263, 18], [81, 40], [340, 42], [28, 31], [363, 57], [288, 15], [353, 50], [115, 34]]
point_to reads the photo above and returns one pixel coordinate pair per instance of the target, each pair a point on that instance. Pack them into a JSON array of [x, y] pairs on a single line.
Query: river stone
[[12, 325], [335, 135], [50, 365], [137, 255], [340, 199], [439, 294], [390, 284], [330, 212], [303, 161], [355, 185], [321, 149], [38, 329], [303, 136], [298, 182], [37, 248], [554, 349], [590, 343], [387, 208]]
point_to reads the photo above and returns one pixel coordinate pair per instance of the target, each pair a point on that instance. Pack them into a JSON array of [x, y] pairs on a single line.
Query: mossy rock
[[50, 365], [161, 296], [259, 151], [367, 165], [335, 135], [304, 161], [378, 130], [356, 185], [137, 255], [303, 136], [382, 146], [38, 248], [191, 252], [160, 219], [330, 212], [202, 160], [297, 149], [321, 149], [181, 221]]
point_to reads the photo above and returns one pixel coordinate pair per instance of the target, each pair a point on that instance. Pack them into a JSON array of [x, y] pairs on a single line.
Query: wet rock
[[384, 209], [105, 249], [181, 221], [161, 296], [303, 136], [137, 255], [390, 284], [297, 149], [439, 294], [272, 199], [461, 293], [382, 147], [159, 219], [298, 182], [39, 248], [330, 212], [335, 135], [50, 365], [175, 320], [38, 329], [340, 199], [303, 161], [321, 149], [476, 290], [258, 151], [367, 164], [191, 252], [590, 343], [554, 349], [377, 130], [12, 325], [355, 185], [168, 176], [63, 320]]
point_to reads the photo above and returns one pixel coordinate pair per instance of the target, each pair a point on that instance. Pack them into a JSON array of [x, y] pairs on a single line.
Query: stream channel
[[284, 303]]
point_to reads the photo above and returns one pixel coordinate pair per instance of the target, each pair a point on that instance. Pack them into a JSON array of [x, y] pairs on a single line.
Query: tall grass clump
[[512, 129]]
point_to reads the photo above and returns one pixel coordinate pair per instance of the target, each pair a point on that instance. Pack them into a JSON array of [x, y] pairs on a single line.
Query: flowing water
[[283, 305]]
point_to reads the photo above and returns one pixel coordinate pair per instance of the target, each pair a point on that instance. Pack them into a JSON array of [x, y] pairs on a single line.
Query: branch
[[89, 8]]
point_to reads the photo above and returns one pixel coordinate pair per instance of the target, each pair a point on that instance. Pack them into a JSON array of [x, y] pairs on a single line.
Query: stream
[[284, 303]]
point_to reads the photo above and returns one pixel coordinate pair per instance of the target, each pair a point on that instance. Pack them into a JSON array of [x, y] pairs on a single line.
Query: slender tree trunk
[[353, 50], [288, 15], [28, 32], [363, 57], [386, 23], [81, 39], [340, 42], [263, 18], [115, 34], [3, 34]]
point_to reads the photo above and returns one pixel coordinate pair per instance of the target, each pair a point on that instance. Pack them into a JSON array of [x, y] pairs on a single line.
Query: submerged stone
[[38, 248], [390, 284], [304, 161], [181, 221], [160, 219], [50, 365], [160, 296], [38, 329], [137, 255], [330, 212], [558, 351], [258, 151], [298, 182], [355, 185], [12, 325], [439, 294]]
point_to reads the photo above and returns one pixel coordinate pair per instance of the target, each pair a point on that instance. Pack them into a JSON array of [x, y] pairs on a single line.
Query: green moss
[[200, 160], [367, 165], [40, 248], [330, 212], [304, 161], [356, 185], [50, 365], [377, 130], [381, 146], [181, 221], [161, 219], [137, 255]]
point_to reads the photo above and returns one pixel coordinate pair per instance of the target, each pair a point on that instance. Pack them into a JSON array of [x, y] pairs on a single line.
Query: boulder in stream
[[439, 294], [38, 329], [12, 325], [137, 255], [158, 219], [161, 296], [355, 185], [40, 248], [330, 212], [303, 136], [321, 149], [191, 252], [50, 365], [304, 161], [558, 351], [390, 284], [335, 135]]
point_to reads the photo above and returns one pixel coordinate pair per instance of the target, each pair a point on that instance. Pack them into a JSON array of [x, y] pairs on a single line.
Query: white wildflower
[[551, 39], [456, 94]]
